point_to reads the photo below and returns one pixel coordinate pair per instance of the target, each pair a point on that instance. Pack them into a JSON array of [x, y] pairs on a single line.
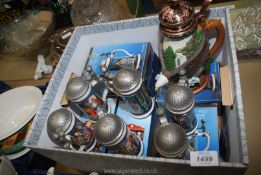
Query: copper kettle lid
[[177, 12], [178, 18]]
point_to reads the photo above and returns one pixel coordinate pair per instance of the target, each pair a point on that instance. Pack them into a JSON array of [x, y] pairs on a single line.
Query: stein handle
[[161, 115], [215, 24]]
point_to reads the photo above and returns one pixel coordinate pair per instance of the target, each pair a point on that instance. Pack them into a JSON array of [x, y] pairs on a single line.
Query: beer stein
[[80, 91], [185, 43], [127, 83], [179, 102], [65, 130], [111, 131], [170, 139]]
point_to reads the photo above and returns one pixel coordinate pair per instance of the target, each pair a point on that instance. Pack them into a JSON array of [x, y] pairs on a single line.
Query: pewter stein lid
[[170, 140], [59, 121], [76, 88], [179, 99], [126, 80], [109, 130]]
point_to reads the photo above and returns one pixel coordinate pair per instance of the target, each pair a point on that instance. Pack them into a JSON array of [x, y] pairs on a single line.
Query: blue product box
[[207, 117], [140, 54], [208, 96], [141, 127], [206, 137], [83, 117]]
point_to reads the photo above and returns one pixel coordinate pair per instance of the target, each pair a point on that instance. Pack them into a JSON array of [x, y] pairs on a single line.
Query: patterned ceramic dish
[[14, 143]]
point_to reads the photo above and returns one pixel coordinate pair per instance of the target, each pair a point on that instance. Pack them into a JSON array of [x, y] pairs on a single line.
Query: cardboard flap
[[226, 86]]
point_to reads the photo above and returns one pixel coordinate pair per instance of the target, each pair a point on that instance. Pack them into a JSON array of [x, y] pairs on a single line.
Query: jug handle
[[210, 24]]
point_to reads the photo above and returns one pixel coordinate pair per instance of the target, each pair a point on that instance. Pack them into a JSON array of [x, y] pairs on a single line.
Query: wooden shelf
[[19, 71]]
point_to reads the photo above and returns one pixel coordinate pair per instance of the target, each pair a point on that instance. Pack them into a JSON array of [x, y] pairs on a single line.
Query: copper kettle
[[178, 20]]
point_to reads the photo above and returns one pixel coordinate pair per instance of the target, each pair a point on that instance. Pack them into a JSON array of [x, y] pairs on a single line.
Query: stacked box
[[146, 61], [206, 96], [207, 123], [141, 127], [209, 96]]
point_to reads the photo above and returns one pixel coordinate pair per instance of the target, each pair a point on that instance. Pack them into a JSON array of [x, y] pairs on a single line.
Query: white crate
[[128, 31]]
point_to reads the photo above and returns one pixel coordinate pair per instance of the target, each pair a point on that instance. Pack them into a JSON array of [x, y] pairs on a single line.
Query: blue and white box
[[206, 96], [213, 94], [206, 137], [132, 55], [141, 127]]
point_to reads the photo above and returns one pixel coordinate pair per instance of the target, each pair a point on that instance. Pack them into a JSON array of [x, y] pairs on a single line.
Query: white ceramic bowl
[[17, 107]]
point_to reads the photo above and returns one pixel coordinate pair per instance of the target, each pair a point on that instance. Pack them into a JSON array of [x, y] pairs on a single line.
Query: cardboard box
[[130, 31], [207, 116], [208, 96], [226, 86], [144, 124], [207, 137], [142, 54]]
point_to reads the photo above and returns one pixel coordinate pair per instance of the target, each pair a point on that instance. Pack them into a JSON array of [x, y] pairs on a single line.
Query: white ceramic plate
[[17, 107]]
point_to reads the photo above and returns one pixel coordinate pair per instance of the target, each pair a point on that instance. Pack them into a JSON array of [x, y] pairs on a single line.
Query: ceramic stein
[[185, 44], [170, 139], [112, 132], [179, 102], [80, 91], [127, 83], [65, 130]]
